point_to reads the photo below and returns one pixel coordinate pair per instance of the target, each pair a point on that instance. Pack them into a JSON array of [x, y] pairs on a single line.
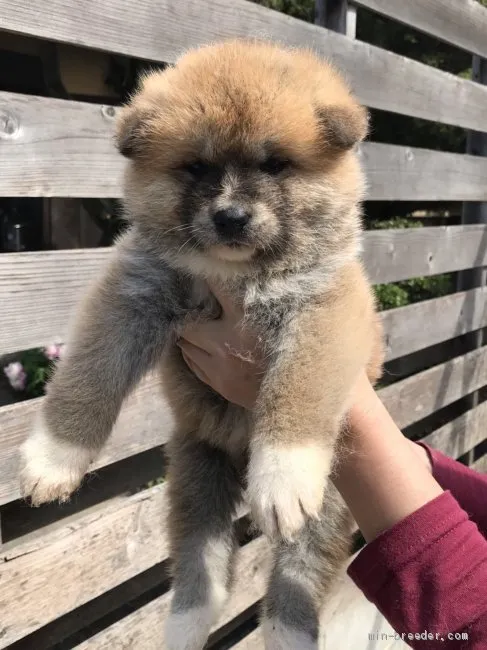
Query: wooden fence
[[93, 574]]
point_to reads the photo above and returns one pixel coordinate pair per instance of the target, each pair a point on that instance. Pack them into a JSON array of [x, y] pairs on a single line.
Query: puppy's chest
[[200, 300], [266, 308]]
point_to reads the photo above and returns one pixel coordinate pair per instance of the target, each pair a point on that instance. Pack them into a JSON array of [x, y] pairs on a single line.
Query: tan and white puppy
[[242, 168]]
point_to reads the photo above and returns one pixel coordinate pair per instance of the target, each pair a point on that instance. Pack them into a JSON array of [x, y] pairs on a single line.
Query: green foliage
[[38, 369], [394, 222], [399, 294]]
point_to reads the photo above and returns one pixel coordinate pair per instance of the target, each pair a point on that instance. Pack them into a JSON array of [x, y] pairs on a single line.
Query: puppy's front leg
[[119, 332], [303, 400]]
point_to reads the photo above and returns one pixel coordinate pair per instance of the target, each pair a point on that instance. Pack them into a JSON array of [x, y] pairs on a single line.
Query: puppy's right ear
[[131, 131]]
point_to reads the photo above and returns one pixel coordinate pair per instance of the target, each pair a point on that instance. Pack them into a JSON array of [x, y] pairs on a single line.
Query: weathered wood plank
[[462, 434], [145, 627], [59, 571], [144, 423], [460, 22], [417, 326], [39, 290], [162, 29], [403, 173], [392, 255], [416, 397], [57, 148], [64, 148]]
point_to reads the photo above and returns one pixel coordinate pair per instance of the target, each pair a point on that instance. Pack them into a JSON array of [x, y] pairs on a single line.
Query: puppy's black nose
[[230, 222]]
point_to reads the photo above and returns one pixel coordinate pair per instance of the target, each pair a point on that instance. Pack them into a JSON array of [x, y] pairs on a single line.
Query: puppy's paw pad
[[286, 485]]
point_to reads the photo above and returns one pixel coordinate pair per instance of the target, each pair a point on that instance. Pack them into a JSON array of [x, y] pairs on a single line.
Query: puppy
[[242, 168]]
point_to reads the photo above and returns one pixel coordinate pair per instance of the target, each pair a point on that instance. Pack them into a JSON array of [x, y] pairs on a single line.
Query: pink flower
[[16, 375], [54, 351]]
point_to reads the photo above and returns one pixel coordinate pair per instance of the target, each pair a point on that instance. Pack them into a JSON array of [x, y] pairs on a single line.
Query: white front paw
[[286, 484], [51, 469], [188, 630]]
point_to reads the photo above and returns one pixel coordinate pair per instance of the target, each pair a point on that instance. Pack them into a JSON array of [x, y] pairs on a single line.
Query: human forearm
[[380, 475]]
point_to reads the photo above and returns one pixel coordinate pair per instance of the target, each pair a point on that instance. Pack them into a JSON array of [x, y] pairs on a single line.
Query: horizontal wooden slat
[[418, 396], [39, 290], [402, 173], [57, 572], [57, 148], [162, 29], [462, 434], [460, 22], [145, 627], [65, 148], [392, 255], [422, 324], [145, 422]]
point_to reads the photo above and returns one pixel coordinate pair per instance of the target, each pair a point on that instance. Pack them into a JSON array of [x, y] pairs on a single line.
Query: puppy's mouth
[[232, 251]]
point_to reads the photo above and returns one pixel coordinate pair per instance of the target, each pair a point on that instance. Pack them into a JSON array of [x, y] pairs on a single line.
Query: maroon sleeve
[[467, 486], [428, 574]]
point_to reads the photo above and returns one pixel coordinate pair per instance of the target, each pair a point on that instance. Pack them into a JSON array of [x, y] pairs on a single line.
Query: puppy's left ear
[[343, 126]]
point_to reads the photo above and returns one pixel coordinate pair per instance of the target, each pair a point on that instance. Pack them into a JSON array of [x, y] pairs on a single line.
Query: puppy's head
[[242, 158]]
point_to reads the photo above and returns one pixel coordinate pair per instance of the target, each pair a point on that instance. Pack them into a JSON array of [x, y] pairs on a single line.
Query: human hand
[[224, 354]]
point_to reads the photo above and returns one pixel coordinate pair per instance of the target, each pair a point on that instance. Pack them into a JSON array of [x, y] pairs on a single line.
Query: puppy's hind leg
[[302, 576], [204, 494]]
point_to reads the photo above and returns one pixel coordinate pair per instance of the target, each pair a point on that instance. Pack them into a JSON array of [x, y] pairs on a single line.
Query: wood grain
[[145, 422], [57, 148], [145, 627], [411, 328], [392, 255], [460, 22], [162, 29], [418, 396], [65, 148], [59, 571], [38, 292], [403, 173]]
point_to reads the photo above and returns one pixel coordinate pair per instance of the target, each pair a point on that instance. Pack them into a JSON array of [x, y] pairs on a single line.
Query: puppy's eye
[[274, 165], [197, 168]]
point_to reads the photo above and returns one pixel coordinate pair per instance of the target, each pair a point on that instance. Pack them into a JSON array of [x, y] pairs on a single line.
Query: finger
[[203, 335], [196, 370], [200, 357], [226, 300]]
